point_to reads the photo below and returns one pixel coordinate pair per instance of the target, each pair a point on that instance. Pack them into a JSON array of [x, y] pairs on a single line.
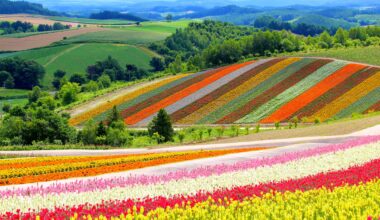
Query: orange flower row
[[313, 93], [130, 165], [133, 119]]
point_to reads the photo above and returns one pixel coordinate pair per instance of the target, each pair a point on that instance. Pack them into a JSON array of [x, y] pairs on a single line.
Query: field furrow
[[292, 92], [348, 98], [275, 89], [200, 103], [203, 92], [153, 108], [333, 93], [319, 89]]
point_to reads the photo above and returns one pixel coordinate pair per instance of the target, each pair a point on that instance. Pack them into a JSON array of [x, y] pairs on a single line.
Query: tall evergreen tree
[[162, 125]]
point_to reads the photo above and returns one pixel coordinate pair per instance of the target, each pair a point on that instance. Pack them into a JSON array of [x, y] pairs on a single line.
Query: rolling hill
[[264, 91]]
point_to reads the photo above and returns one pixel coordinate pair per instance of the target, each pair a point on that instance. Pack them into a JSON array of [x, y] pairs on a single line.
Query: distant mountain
[[218, 11], [15, 7], [115, 15]]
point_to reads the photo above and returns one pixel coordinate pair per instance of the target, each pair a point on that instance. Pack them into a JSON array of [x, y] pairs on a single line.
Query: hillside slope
[[265, 91]]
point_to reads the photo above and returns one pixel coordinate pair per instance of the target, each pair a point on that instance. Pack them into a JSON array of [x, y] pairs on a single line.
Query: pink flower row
[[101, 184]]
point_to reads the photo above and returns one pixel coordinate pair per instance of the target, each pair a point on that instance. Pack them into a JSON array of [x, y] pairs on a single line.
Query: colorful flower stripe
[[203, 91], [214, 185], [331, 180], [234, 93], [146, 103], [292, 92], [282, 71], [347, 202], [146, 95], [133, 119], [261, 65], [361, 105], [348, 98], [78, 119], [271, 91], [375, 107], [101, 184], [334, 93], [307, 97], [81, 169]]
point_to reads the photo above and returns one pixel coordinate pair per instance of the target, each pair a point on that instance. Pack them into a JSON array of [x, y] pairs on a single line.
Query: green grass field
[[368, 55], [148, 32], [120, 35], [13, 97], [12, 93], [92, 21], [74, 58]]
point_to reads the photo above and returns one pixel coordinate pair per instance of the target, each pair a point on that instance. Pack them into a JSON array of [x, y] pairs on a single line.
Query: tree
[[78, 78], [69, 93], [58, 76], [89, 132], [114, 117], [35, 94], [169, 17], [341, 36], [4, 75], [9, 83], [162, 125], [157, 64], [104, 81], [91, 86], [101, 130], [326, 40]]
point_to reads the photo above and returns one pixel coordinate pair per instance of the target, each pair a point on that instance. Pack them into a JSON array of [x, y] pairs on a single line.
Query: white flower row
[[279, 172]]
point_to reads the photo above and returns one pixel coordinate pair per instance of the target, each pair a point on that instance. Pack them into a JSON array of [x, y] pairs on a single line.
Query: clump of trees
[[23, 27], [19, 73], [212, 43]]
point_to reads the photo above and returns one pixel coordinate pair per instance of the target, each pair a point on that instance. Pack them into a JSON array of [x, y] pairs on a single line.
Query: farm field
[[83, 55], [340, 178], [34, 19], [36, 41], [89, 21], [264, 91], [367, 55]]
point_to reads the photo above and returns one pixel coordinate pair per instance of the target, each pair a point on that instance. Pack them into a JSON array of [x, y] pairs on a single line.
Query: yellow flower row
[[78, 119], [348, 98], [349, 202], [235, 93]]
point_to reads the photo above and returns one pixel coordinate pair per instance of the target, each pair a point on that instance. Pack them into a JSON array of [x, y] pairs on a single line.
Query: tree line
[[23, 27], [212, 43]]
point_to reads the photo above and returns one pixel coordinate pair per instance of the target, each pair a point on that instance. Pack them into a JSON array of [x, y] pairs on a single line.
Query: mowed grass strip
[[348, 98], [182, 94], [263, 92], [200, 103], [234, 93], [292, 92], [334, 93], [361, 105], [307, 97]]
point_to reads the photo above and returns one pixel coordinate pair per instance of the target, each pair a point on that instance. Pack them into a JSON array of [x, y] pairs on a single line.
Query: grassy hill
[[368, 55], [265, 91], [74, 58]]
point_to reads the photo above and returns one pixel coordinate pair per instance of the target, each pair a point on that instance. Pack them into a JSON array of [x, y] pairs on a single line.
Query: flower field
[[263, 91], [333, 181]]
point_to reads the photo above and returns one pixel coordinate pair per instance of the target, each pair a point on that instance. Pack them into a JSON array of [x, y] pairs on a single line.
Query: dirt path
[[62, 53], [41, 40], [335, 128]]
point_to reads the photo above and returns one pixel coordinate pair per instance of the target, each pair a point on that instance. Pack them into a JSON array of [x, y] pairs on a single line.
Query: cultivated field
[[42, 40], [265, 91], [82, 55], [34, 19]]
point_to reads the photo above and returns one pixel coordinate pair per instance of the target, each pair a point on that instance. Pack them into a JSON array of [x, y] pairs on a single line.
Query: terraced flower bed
[[264, 91], [329, 182]]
